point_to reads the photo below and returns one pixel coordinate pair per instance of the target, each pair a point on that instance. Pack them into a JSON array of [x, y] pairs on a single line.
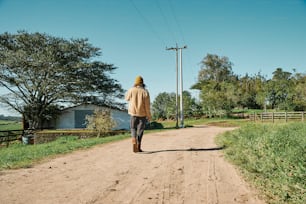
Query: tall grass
[[273, 157]]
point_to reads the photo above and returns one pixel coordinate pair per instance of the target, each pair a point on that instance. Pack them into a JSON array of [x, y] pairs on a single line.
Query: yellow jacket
[[139, 102]]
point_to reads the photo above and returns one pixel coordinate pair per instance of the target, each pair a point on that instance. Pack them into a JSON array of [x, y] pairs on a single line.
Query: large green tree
[[280, 89], [251, 91], [216, 83], [163, 106], [299, 96], [216, 68], [41, 72]]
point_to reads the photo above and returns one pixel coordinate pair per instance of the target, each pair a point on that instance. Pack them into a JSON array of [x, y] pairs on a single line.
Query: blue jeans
[[138, 125]]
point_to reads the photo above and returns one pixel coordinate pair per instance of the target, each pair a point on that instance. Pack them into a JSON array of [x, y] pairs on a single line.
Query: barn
[[74, 117]]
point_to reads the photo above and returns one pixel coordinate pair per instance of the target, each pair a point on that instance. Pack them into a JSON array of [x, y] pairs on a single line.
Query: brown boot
[[135, 148], [139, 147]]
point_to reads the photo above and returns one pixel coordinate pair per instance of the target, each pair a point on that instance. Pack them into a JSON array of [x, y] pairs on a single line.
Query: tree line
[[10, 118], [42, 73], [221, 90]]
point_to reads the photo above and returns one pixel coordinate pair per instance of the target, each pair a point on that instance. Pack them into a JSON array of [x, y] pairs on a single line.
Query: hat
[[138, 81]]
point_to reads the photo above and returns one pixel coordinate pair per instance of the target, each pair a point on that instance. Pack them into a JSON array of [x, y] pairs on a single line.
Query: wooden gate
[[278, 116]]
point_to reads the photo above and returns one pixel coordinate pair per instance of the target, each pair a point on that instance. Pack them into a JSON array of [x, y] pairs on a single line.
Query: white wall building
[[74, 117]]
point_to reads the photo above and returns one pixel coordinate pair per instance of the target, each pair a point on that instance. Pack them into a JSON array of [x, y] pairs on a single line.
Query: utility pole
[[181, 85], [176, 96]]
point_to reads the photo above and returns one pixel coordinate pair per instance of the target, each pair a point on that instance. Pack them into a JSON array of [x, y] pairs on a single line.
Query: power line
[[176, 21], [147, 22], [180, 30], [166, 21]]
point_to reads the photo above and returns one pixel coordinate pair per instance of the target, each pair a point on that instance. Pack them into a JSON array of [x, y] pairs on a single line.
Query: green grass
[[273, 157], [21, 156], [10, 125]]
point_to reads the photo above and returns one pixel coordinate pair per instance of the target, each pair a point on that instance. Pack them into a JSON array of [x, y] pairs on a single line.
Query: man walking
[[139, 109]]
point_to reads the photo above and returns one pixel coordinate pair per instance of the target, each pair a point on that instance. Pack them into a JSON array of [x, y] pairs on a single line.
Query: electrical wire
[[148, 23], [176, 21], [166, 22]]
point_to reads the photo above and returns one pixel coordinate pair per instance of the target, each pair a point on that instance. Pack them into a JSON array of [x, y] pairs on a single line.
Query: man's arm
[[147, 106], [128, 95]]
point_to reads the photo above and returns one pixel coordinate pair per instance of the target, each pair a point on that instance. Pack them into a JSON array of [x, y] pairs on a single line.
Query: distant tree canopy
[[221, 90], [164, 106], [10, 118], [215, 68], [42, 71]]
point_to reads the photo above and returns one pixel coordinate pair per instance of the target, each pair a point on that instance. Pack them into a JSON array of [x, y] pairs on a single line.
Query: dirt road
[[178, 166]]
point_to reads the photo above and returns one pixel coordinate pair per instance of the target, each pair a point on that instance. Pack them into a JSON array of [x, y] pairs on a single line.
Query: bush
[[154, 125], [101, 121]]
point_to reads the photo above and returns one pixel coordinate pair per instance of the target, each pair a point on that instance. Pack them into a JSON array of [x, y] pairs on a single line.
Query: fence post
[[273, 117], [8, 139], [303, 116], [286, 118]]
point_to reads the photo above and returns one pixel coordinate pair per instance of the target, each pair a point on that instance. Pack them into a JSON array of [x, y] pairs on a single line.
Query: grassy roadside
[[272, 156], [24, 156]]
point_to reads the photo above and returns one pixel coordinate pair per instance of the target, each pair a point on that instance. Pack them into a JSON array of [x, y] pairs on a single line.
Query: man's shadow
[[183, 150]]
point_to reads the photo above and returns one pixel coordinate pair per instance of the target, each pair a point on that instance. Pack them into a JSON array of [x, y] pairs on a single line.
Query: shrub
[[101, 121]]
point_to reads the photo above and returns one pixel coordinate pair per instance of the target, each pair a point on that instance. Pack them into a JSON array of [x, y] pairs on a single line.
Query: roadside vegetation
[[24, 156], [272, 156]]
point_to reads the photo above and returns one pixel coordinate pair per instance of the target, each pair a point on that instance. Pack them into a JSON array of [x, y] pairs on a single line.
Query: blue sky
[[256, 36]]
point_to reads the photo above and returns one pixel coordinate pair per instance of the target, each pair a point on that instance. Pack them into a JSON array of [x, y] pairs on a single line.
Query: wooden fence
[[7, 136], [278, 116]]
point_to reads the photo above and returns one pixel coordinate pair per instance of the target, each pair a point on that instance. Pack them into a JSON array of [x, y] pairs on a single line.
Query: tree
[[299, 95], [218, 98], [216, 68], [163, 107], [190, 106], [280, 88], [216, 82], [251, 91], [42, 72], [260, 83]]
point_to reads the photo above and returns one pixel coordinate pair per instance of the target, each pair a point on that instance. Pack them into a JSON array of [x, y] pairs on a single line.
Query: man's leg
[[140, 130], [133, 125]]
